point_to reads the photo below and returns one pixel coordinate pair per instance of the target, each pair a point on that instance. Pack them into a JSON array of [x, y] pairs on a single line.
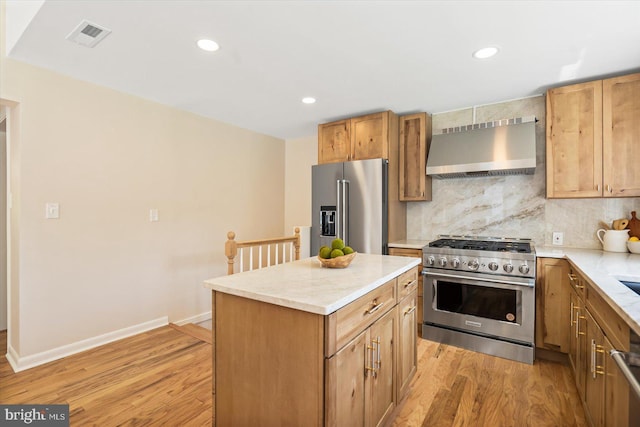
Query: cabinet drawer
[[407, 283], [613, 326], [416, 253], [343, 325]]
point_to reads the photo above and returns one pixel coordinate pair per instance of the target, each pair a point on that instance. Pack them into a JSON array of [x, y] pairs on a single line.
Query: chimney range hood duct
[[503, 147]]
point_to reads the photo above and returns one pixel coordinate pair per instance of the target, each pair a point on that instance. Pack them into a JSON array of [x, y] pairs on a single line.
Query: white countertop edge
[[409, 244], [308, 307], [589, 262]]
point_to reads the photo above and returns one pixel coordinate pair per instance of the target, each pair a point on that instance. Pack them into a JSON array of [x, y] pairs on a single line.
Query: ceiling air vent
[[88, 34]]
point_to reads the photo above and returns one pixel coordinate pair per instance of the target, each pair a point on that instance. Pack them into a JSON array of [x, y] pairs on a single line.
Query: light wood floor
[[163, 377]]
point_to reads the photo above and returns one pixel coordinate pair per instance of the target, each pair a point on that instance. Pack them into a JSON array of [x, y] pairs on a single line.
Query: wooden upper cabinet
[[360, 138], [370, 137], [593, 139], [415, 136], [621, 136], [574, 141], [334, 142]]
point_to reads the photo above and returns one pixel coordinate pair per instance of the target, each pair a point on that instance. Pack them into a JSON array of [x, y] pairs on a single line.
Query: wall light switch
[[52, 211], [558, 238], [153, 215]]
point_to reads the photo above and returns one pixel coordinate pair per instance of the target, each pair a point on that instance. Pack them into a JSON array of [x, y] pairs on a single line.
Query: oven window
[[476, 300]]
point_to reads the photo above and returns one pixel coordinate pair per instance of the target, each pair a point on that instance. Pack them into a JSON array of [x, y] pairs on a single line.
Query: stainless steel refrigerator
[[350, 201]]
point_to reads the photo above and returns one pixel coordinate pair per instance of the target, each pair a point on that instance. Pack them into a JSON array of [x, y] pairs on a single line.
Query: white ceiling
[[355, 57]]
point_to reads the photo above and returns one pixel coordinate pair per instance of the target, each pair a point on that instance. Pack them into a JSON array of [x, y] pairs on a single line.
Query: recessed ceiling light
[[208, 45], [308, 100], [485, 52]]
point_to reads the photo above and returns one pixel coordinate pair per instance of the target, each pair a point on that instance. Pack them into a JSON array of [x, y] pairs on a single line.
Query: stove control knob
[[431, 260], [508, 267], [474, 265], [493, 266], [455, 262], [524, 269], [442, 262]]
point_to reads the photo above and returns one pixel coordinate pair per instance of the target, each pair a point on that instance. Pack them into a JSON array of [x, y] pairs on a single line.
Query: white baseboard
[[21, 363], [202, 317]]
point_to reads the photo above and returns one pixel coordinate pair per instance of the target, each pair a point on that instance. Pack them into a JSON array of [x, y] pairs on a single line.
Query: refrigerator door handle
[[339, 208], [345, 211]]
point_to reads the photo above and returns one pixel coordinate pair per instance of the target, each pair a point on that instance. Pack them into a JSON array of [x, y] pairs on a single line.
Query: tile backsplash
[[510, 206]]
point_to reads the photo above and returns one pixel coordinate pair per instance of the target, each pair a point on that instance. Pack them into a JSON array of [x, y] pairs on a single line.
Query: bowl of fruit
[[336, 256], [634, 245]]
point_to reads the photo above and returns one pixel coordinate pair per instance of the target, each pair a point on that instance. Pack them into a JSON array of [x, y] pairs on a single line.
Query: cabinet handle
[[578, 326], [371, 368], [379, 360], [598, 188], [609, 188], [406, 285], [375, 307], [595, 368], [573, 278], [571, 320], [411, 310]]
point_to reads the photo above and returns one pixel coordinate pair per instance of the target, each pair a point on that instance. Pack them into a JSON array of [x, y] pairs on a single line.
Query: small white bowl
[[634, 247]]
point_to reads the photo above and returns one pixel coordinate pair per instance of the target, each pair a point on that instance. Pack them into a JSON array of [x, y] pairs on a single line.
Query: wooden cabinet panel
[[407, 283], [594, 387], [616, 387], [574, 140], [552, 299], [593, 139], [370, 136], [621, 136], [614, 327], [577, 342], [407, 337], [345, 323], [334, 142], [416, 253], [345, 402], [415, 136], [383, 392]]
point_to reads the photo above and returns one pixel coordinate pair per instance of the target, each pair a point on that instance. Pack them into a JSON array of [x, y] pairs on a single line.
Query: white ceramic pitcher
[[613, 240]]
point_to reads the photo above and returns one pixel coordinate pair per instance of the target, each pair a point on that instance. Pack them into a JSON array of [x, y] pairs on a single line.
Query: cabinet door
[[407, 336], [415, 134], [552, 300], [594, 384], [381, 401], [577, 342], [345, 383], [334, 142], [416, 253], [370, 137], [616, 389], [621, 136], [574, 141]]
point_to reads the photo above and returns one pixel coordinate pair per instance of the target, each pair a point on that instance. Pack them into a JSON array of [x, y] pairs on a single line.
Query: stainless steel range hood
[[504, 147]]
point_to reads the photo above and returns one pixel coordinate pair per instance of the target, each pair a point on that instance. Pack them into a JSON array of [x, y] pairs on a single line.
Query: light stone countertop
[[604, 269], [409, 244], [306, 285]]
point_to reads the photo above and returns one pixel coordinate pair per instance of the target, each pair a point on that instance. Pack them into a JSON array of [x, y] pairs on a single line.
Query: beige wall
[[3, 222], [107, 158], [300, 155]]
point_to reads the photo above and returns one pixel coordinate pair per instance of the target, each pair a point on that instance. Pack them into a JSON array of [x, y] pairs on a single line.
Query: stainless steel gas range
[[479, 294]]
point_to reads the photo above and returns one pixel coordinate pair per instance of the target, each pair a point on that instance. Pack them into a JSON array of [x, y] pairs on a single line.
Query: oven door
[[481, 304]]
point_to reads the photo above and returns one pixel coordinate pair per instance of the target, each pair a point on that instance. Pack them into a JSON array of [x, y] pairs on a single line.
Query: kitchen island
[[300, 344]]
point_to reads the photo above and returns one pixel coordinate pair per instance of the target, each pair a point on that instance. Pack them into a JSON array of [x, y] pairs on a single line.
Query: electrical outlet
[[153, 215], [558, 238], [52, 211]]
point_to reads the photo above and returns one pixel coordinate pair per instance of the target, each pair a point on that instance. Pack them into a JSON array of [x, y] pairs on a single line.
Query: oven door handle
[[618, 357], [529, 284]]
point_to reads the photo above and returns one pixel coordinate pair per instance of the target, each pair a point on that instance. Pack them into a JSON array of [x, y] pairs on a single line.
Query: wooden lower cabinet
[[274, 365], [595, 331], [415, 253], [553, 325], [407, 342], [360, 377]]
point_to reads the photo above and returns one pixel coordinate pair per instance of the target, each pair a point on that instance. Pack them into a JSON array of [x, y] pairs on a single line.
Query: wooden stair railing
[[269, 251]]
